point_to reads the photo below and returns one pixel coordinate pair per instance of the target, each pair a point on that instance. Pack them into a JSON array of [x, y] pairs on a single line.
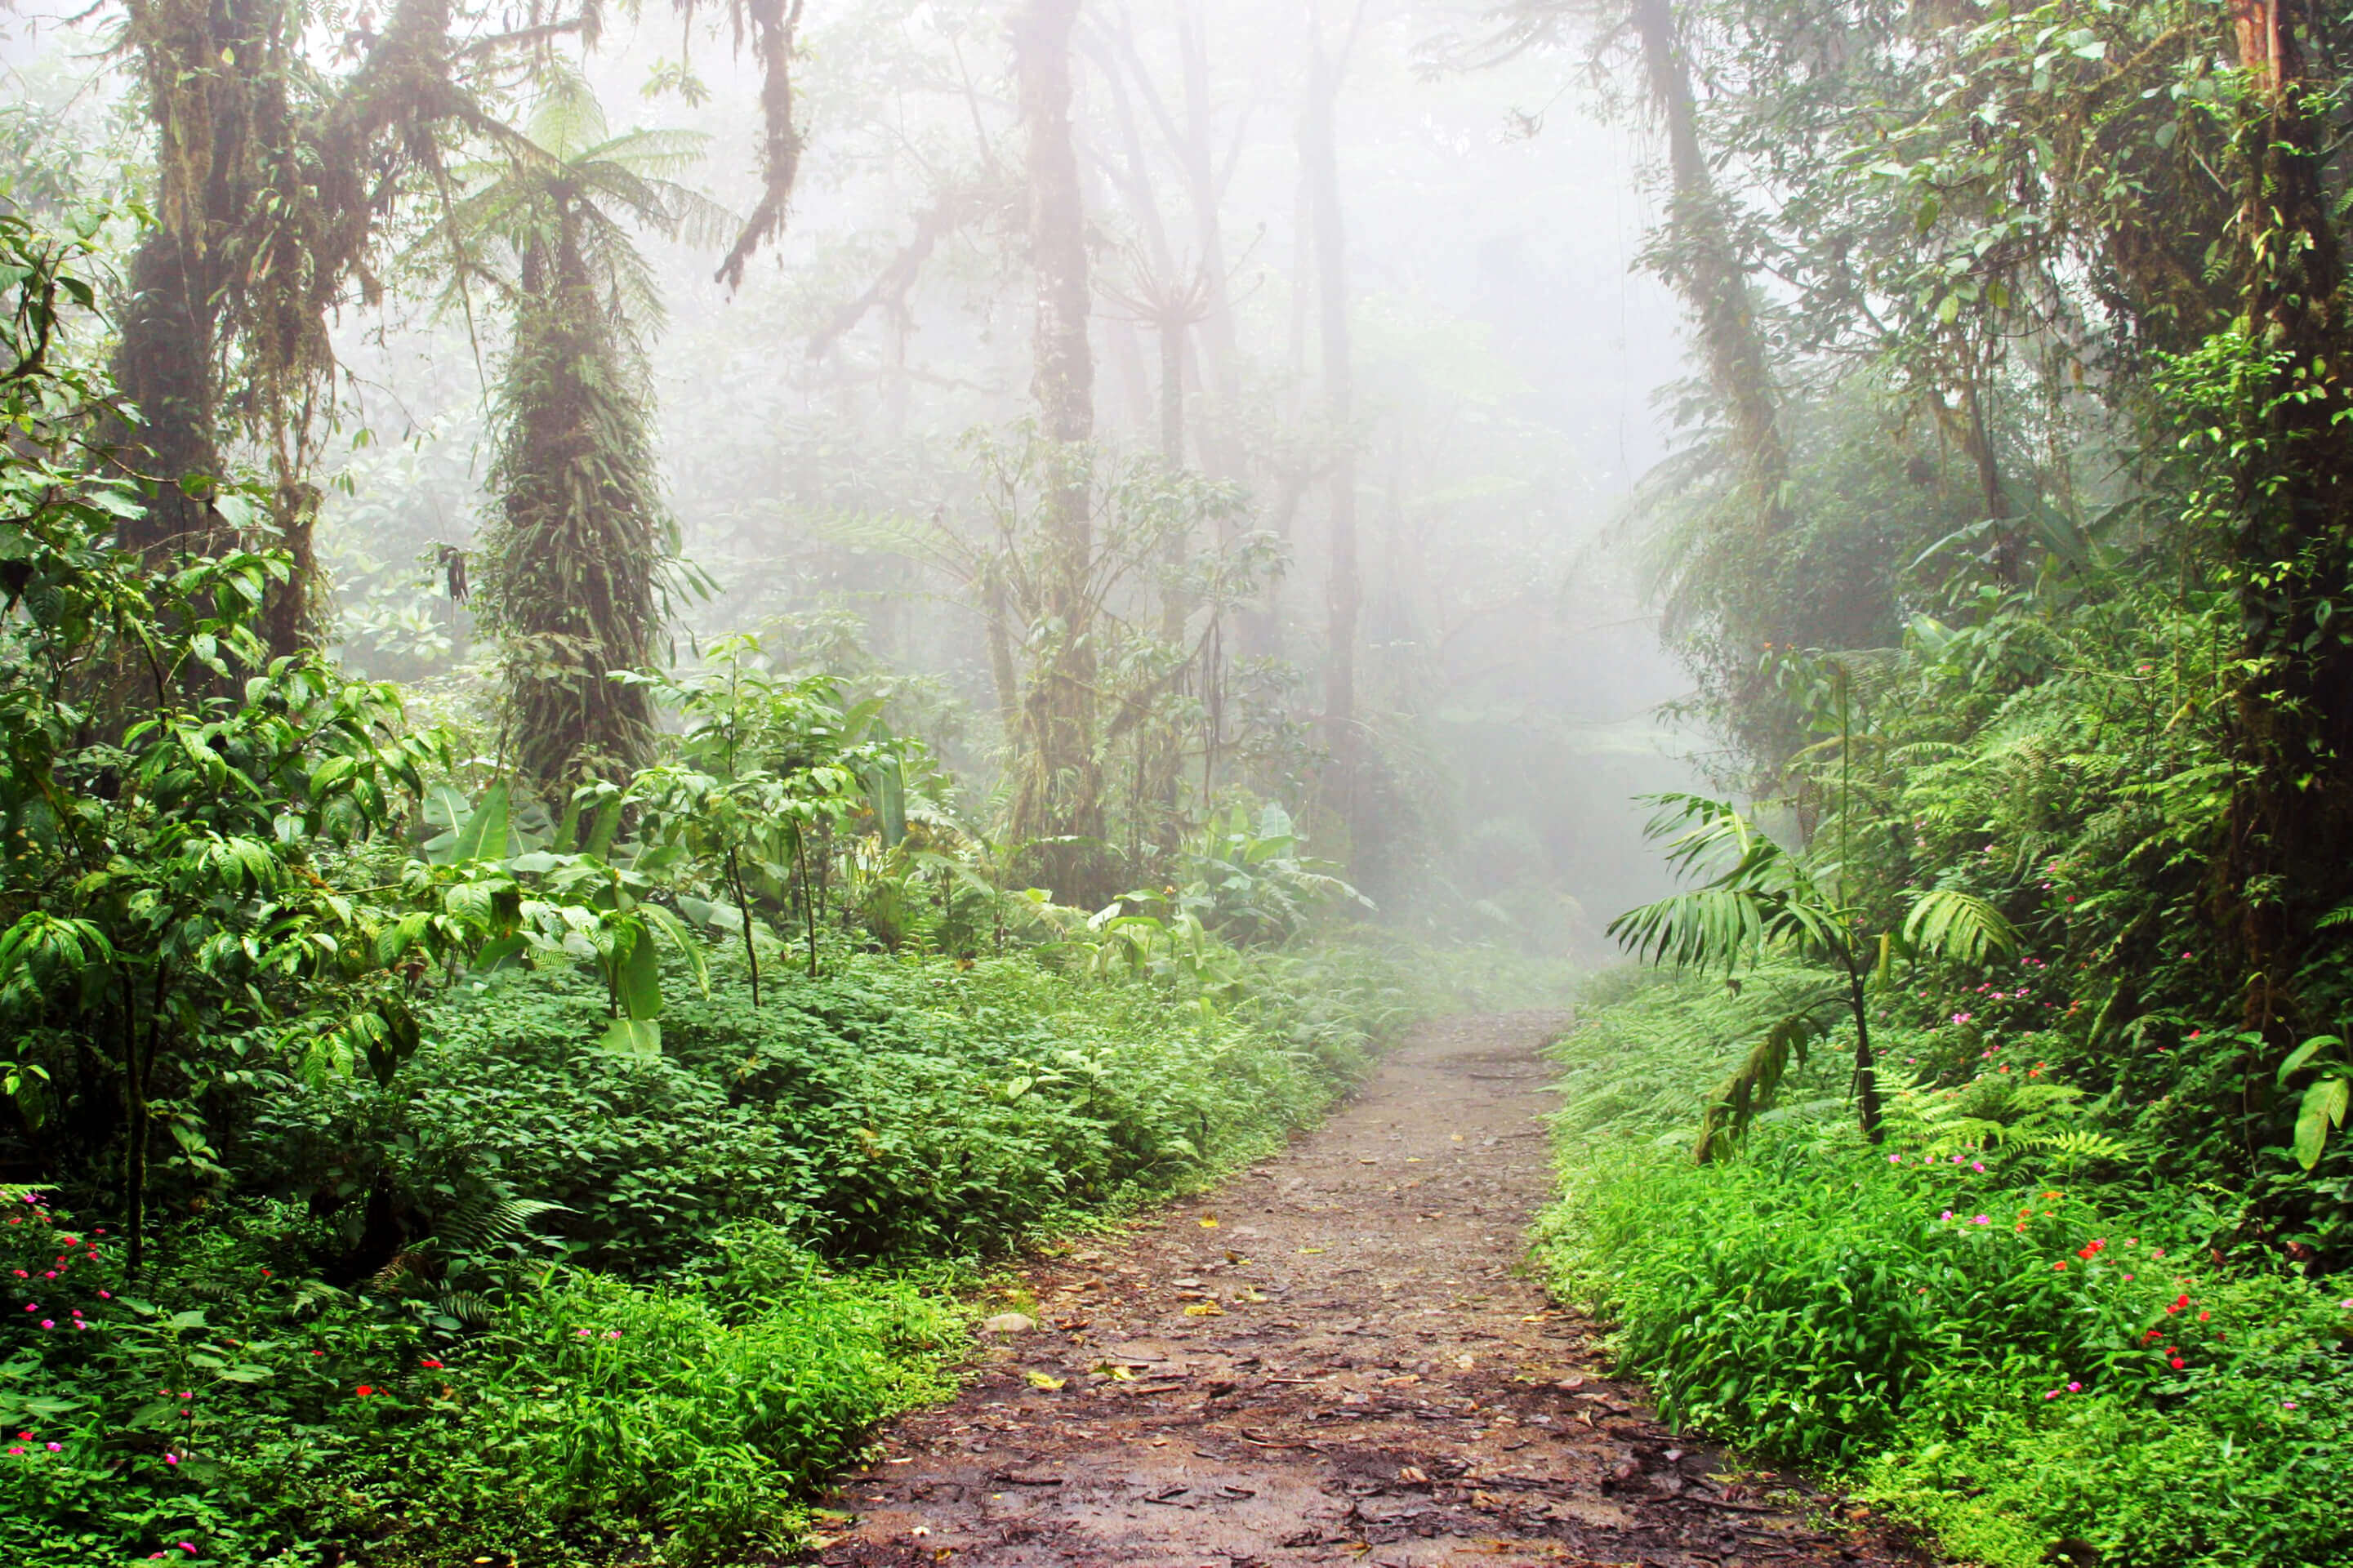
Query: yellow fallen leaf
[[1205, 1309], [1039, 1380], [1458, 1137], [1209, 1222], [1306, 1250], [1116, 1372]]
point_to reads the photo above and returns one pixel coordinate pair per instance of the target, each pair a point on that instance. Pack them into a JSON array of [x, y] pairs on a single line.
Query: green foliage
[[573, 579], [1979, 1321], [252, 1413], [1770, 901]]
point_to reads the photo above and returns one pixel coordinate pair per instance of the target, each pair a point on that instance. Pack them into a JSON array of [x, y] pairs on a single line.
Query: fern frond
[[482, 1223], [1948, 924], [1750, 1091]]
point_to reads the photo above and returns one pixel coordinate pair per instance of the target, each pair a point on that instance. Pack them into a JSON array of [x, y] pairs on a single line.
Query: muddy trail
[[1336, 1357]]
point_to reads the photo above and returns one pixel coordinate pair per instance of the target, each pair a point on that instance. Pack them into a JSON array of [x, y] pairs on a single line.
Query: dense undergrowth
[[637, 1305], [1993, 1324]]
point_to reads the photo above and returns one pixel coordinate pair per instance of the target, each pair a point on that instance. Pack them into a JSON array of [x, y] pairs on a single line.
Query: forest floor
[[1336, 1357]]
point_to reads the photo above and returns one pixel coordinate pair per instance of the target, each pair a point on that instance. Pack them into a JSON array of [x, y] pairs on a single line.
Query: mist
[[820, 423]]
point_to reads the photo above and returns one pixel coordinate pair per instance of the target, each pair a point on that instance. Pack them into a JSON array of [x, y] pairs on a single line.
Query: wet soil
[[1336, 1357]]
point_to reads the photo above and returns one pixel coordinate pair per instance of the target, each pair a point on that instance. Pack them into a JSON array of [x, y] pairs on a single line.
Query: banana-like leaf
[[484, 836], [2302, 1055], [2324, 1104], [636, 981], [638, 1037]]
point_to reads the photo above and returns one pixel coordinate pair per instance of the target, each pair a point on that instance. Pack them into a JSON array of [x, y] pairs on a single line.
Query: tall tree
[[1707, 268], [2292, 820], [1058, 787], [570, 582]]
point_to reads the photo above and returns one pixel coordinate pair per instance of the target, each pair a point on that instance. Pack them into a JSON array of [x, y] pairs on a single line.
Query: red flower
[[2177, 1363], [434, 1364], [366, 1391]]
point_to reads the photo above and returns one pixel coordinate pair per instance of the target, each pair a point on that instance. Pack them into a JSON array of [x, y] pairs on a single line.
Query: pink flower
[[1981, 1219], [49, 1323], [171, 1459], [1946, 1214], [2075, 1388], [56, 1448]]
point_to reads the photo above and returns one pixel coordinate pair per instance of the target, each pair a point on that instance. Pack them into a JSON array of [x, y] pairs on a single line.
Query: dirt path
[[1333, 1358]]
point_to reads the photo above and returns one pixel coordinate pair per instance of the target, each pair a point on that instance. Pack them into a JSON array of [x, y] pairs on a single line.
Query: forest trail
[[1348, 1366]]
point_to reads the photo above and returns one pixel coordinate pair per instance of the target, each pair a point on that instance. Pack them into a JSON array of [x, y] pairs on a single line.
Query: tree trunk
[[2291, 856], [1058, 788], [1708, 272], [1343, 592]]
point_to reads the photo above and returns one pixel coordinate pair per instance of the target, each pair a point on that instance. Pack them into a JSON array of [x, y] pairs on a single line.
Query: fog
[[825, 424]]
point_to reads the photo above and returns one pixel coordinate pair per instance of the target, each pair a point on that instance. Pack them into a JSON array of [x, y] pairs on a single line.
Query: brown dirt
[[1335, 1357]]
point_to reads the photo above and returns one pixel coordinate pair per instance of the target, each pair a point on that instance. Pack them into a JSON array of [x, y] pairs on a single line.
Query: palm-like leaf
[[1962, 927], [1750, 1091], [1764, 900]]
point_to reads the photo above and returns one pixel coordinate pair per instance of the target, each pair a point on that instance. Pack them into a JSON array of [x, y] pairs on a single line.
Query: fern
[[1750, 1091], [479, 1223]]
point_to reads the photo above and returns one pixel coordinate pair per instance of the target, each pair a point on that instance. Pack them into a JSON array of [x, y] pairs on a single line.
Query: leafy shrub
[[1948, 1317], [901, 1107], [253, 1417]]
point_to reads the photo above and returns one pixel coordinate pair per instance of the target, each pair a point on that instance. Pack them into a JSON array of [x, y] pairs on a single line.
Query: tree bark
[[2291, 856], [1058, 793], [1708, 272]]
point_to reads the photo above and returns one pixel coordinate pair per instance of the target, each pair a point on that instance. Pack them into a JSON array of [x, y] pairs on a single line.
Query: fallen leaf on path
[[1205, 1309], [1115, 1372], [1209, 1222], [1039, 1380], [1304, 1251]]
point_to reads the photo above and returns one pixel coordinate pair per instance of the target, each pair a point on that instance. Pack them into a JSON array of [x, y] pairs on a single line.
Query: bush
[[253, 1418], [1965, 1331], [902, 1108]]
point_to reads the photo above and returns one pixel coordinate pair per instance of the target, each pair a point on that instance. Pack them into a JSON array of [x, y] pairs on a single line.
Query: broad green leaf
[[2324, 1108], [484, 836], [638, 1037]]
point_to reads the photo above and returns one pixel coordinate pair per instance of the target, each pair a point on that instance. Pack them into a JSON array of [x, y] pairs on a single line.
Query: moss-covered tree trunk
[[2292, 821], [570, 563]]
